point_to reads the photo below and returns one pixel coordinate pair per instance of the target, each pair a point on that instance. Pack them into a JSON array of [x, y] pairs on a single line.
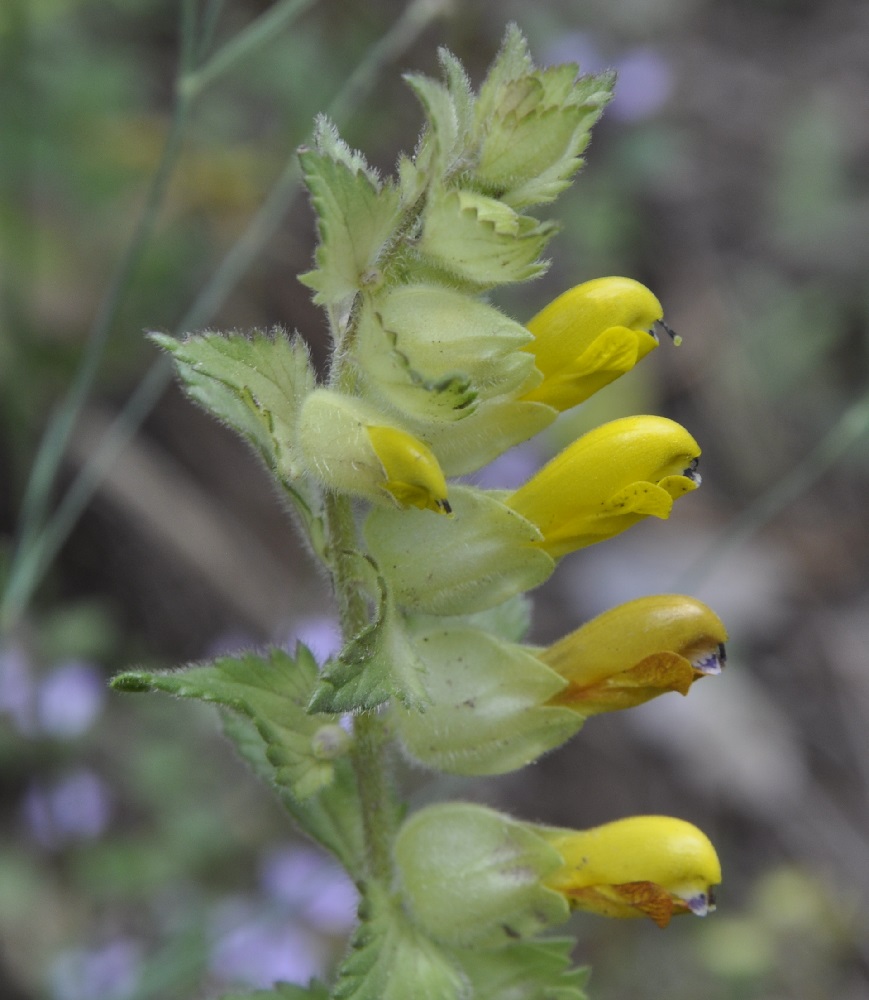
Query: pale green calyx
[[473, 876], [434, 353], [481, 556], [487, 710]]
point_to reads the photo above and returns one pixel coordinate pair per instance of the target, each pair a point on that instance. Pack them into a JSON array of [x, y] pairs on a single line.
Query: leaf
[[511, 63], [273, 691], [331, 817], [255, 383], [377, 664], [390, 960], [526, 970], [356, 219], [285, 991]]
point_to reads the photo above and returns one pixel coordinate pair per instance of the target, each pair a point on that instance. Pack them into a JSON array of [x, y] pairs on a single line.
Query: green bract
[[472, 875], [484, 554], [487, 708], [433, 354], [427, 379]]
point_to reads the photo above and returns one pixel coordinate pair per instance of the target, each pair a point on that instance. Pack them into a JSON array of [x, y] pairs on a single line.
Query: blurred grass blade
[[39, 545], [256, 34]]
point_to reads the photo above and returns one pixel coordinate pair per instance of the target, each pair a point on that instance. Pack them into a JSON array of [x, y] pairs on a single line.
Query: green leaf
[[285, 991], [329, 143], [254, 383], [390, 960], [377, 664], [356, 219], [331, 817], [273, 691], [526, 970]]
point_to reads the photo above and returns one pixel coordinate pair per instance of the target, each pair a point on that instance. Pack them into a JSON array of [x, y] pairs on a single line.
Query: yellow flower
[[651, 866], [589, 336], [350, 446], [607, 480], [635, 652], [413, 477]]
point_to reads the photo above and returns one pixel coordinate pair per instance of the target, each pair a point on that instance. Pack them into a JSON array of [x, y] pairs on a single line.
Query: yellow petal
[[656, 674], [589, 336], [614, 352], [652, 866], [413, 477], [636, 651], [608, 480]]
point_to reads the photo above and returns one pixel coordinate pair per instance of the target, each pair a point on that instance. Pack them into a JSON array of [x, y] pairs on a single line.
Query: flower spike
[[608, 480], [589, 336]]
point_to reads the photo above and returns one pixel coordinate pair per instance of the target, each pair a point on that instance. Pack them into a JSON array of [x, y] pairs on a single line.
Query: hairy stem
[[370, 757]]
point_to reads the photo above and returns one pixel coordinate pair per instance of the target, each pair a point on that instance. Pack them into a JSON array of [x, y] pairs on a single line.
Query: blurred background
[[138, 858]]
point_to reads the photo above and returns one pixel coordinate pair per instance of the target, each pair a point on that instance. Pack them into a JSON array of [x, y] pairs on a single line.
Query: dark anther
[[691, 471], [671, 333]]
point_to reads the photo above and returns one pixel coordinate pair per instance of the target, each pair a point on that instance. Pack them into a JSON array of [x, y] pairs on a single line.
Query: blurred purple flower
[[70, 698], [257, 951], [579, 47], [17, 689], [76, 808], [510, 470], [320, 633], [309, 885], [645, 77], [645, 82], [109, 973]]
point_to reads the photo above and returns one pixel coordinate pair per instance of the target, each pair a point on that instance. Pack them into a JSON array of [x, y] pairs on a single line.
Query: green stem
[[39, 487], [262, 30], [370, 759]]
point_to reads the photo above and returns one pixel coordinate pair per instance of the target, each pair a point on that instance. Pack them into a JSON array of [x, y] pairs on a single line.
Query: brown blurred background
[[137, 857]]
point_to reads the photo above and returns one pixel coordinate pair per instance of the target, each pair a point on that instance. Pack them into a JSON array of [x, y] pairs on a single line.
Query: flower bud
[[635, 652], [473, 876], [435, 353], [608, 480], [652, 866], [589, 336], [352, 447]]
